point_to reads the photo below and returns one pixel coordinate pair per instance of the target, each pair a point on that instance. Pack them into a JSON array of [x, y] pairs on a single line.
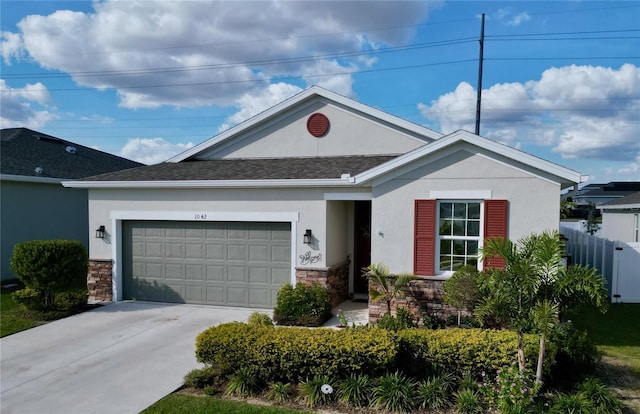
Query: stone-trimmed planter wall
[[335, 279], [421, 296], [99, 280]]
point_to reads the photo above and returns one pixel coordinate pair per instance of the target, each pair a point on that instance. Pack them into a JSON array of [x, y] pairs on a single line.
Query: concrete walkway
[[119, 358]]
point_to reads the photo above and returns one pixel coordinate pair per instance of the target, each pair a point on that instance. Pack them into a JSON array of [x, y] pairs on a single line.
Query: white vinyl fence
[[617, 261]]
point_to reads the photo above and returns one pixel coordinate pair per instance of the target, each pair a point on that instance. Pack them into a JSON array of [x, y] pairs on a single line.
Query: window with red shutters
[[426, 233]]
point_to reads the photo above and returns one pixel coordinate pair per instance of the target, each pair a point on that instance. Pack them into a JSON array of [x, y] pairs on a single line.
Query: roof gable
[[483, 146], [355, 129], [31, 155]]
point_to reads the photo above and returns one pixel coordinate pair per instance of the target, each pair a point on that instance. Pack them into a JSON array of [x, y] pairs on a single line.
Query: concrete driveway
[[119, 358]]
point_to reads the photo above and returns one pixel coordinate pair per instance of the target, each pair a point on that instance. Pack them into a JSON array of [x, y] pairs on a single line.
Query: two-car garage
[[206, 262]]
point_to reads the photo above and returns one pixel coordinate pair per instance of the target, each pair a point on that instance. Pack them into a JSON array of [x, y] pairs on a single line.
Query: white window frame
[[636, 231], [479, 238]]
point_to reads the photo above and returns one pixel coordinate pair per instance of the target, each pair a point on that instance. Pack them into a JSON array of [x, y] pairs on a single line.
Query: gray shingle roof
[[249, 169], [633, 198], [22, 150]]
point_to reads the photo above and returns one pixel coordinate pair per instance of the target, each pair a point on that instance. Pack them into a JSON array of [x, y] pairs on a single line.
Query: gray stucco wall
[[36, 211], [349, 134]]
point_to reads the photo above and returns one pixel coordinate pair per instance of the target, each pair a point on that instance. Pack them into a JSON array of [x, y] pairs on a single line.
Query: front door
[[362, 250]]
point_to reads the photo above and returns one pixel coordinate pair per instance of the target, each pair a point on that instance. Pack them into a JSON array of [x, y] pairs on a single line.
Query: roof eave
[[337, 182], [31, 179]]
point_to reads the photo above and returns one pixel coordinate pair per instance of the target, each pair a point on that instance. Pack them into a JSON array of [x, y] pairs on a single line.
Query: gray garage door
[[215, 263]]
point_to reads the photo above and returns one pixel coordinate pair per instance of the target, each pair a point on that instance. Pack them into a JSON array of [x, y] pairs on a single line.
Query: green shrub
[[462, 289], [303, 305], [462, 351], [433, 393], [356, 390], [515, 389], [71, 300], [577, 357], [295, 354], [394, 392], [243, 383], [402, 320], [259, 318], [317, 390], [571, 404], [200, 377], [468, 402], [280, 392], [50, 266], [603, 401], [30, 298]]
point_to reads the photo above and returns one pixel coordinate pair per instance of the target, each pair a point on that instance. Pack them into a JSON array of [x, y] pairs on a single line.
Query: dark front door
[[362, 238]]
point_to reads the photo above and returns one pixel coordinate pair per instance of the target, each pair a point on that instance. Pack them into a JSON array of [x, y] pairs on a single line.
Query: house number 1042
[[199, 216]]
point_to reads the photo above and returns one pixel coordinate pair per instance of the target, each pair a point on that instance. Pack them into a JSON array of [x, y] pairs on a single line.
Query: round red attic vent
[[317, 124]]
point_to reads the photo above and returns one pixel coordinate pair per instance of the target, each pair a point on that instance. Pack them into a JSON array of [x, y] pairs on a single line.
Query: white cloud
[[152, 151], [580, 111], [508, 17], [25, 107], [250, 104], [11, 47], [221, 49]]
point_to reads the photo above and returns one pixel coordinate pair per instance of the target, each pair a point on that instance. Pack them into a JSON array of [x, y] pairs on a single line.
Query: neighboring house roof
[[311, 94], [632, 201], [27, 155], [614, 189]]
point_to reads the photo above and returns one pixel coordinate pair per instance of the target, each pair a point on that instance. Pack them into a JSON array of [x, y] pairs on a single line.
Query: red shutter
[[495, 225], [424, 260]]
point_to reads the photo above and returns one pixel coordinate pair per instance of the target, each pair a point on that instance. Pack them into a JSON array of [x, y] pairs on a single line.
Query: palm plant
[[534, 287], [385, 285]]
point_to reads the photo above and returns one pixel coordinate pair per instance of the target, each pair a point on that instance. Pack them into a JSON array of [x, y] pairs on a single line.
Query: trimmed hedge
[[296, 354], [462, 351], [302, 305]]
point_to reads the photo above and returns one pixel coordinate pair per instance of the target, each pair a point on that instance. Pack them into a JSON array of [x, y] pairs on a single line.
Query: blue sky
[[148, 79]]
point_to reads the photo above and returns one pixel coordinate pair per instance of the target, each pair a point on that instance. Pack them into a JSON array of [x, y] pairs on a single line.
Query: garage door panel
[[221, 263], [236, 252]]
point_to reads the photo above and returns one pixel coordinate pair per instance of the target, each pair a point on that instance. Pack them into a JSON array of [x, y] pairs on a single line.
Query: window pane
[[446, 210], [472, 261], [445, 262], [472, 248], [460, 211], [457, 263], [458, 227], [474, 211], [473, 228], [445, 228], [445, 246], [458, 247]]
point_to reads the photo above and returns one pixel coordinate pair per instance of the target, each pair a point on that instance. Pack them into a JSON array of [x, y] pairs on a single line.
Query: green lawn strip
[[188, 404], [615, 333], [13, 318]]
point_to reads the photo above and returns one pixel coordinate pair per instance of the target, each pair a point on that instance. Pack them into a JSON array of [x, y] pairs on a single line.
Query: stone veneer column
[[99, 280], [421, 296], [335, 279]]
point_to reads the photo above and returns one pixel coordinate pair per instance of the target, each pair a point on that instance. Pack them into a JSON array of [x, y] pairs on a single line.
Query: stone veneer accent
[[421, 296], [99, 280], [335, 279]]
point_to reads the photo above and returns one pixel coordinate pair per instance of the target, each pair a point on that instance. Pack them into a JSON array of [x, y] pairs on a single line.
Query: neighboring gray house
[[34, 205], [314, 188], [621, 219]]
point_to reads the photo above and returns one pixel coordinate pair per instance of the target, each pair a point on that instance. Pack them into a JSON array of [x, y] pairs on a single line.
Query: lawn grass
[[188, 404], [13, 318], [615, 333]]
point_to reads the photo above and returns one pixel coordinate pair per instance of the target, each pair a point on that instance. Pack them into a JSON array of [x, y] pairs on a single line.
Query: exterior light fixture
[[100, 232], [307, 236]]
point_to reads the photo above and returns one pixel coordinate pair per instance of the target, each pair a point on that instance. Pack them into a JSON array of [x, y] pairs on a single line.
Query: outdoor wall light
[[100, 232], [307, 236]]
